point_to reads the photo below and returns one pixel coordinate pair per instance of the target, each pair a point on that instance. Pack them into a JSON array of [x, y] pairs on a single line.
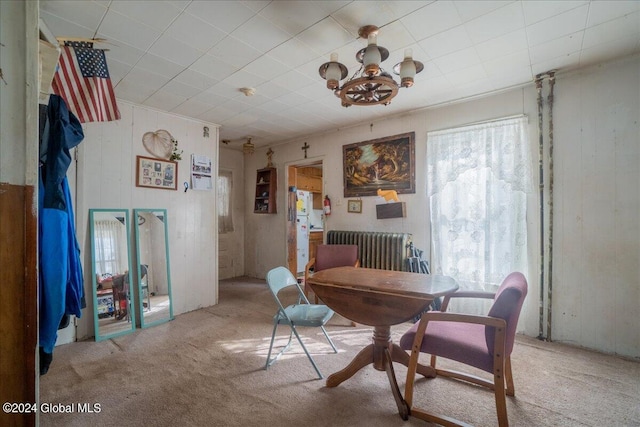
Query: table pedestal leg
[[362, 359]]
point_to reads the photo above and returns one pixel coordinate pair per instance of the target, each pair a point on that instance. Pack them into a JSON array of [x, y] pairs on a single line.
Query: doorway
[[305, 220]]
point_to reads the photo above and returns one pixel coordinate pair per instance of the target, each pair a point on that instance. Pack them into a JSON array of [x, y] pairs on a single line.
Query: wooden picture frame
[[380, 164], [354, 206], [156, 173]]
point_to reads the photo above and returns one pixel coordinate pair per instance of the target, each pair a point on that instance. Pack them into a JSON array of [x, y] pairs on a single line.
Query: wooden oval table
[[379, 298]]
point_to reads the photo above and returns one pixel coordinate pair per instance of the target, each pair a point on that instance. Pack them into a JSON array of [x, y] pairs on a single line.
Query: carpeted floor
[[206, 368]]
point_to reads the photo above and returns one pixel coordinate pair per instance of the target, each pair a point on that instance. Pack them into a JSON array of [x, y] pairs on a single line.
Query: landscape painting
[[385, 163]]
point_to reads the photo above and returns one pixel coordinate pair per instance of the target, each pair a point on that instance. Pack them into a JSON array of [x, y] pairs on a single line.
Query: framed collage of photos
[[156, 173]]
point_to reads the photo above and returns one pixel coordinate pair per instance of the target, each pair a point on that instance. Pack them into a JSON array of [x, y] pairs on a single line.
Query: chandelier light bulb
[[372, 57], [407, 69], [333, 72]]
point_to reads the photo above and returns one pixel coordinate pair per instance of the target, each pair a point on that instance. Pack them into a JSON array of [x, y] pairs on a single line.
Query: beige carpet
[[205, 368]]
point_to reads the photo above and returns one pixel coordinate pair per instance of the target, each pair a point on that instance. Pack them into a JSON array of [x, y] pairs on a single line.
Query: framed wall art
[[156, 173], [385, 163], [354, 206]]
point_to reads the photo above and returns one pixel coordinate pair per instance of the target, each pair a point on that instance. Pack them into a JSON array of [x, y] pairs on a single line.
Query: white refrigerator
[[304, 204]]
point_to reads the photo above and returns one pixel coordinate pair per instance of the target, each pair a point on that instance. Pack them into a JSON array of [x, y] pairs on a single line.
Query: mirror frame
[[163, 212], [94, 281]]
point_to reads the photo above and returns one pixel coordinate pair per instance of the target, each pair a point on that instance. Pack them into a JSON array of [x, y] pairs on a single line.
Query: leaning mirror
[[154, 274], [113, 307]]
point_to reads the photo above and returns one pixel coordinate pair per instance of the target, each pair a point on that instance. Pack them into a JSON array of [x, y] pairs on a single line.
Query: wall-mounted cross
[[305, 147]]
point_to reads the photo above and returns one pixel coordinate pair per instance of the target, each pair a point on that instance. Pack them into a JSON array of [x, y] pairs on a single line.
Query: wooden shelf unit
[[266, 187]]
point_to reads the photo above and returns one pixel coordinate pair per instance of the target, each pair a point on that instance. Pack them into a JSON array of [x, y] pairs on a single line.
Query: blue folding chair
[[301, 314]]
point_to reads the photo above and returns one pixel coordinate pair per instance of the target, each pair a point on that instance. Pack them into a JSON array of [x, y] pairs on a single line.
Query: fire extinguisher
[[326, 205]]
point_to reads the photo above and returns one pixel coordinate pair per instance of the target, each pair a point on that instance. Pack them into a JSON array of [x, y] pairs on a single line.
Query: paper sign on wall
[[201, 172]]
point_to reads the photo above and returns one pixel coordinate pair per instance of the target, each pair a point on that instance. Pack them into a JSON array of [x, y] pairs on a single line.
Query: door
[[293, 263]]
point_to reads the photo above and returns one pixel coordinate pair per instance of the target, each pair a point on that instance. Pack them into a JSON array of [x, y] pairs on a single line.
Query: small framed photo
[[354, 206], [156, 173]]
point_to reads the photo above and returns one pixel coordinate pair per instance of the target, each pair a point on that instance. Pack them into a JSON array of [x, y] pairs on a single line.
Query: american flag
[[82, 80]]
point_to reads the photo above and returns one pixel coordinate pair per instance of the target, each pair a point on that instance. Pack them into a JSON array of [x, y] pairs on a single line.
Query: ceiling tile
[[175, 51], [325, 36], [261, 34], [432, 19], [192, 108], [234, 52], [133, 91], [176, 88], [195, 79], [393, 36], [464, 58], [164, 100], [224, 89], [471, 9], [357, 14], [212, 67], [210, 97], [558, 25], [446, 42], [496, 23], [122, 52], [143, 77], [293, 53], [294, 17], [466, 75], [225, 15], [158, 65], [293, 80], [195, 32], [62, 28], [243, 78], [88, 16], [217, 115], [272, 90], [116, 26], [555, 48], [514, 61], [267, 67], [627, 26], [159, 16], [536, 11], [513, 77], [503, 45], [603, 11]]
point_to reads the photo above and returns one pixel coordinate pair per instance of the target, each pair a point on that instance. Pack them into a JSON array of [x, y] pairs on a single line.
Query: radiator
[[376, 249]]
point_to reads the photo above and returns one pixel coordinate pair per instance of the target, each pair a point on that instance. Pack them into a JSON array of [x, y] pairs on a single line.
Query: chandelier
[[370, 85]]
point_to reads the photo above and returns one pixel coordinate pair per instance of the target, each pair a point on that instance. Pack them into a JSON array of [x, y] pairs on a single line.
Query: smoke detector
[[248, 91]]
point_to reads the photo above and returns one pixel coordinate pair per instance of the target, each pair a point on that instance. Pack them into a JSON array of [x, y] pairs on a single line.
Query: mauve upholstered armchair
[[483, 342]]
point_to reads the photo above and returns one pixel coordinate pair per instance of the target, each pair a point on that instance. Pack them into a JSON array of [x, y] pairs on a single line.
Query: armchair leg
[[508, 376]]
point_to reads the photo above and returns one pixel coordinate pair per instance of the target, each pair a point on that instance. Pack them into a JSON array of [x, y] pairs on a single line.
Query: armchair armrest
[[466, 294]]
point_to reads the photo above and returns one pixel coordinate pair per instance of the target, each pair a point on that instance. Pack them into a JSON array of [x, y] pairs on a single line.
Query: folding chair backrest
[[280, 278]]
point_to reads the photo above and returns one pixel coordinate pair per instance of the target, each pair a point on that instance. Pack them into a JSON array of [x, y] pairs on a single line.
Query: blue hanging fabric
[[61, 279]]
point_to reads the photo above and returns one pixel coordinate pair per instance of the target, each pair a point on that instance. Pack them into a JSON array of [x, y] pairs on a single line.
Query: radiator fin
[[376, 249]]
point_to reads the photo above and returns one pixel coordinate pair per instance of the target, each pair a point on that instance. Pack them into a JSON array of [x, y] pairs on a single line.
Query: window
[[477, 181], [108, 252], [225, 217]]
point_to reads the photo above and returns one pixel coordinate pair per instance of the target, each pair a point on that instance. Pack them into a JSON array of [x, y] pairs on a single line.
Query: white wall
[[596, 250], [596, 262], [106, 179], [231, 245]]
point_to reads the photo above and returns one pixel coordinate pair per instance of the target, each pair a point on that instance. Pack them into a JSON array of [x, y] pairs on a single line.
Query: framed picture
[[354, 206], [156, 173], [380, 164]]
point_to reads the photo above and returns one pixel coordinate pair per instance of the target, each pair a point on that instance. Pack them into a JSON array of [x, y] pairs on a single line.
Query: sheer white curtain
[[108, 257], [477, 181], [225, 217]]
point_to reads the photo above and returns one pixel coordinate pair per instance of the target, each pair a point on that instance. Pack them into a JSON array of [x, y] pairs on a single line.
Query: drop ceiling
[[192, 58]]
